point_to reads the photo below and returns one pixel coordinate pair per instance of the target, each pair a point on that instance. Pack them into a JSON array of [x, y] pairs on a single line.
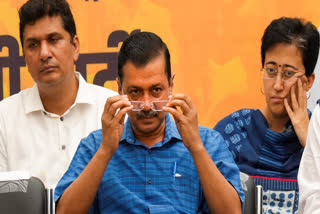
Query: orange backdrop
[[214, 44]]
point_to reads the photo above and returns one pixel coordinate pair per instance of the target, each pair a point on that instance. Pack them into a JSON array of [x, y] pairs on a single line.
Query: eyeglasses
[[155, 105], [287, 74]]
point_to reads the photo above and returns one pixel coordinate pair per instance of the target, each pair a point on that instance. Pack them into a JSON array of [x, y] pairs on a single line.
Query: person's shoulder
[[99, 90], [209, 134], [316, 111], [212, 140], [203, 130], [99, 94], [95, 135], [14, 101], [235, 116], [241, 113], [92, 141]]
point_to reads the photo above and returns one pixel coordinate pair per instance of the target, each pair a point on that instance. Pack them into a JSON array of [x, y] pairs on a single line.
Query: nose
[[45, 52], [147, 103], [278, 84]]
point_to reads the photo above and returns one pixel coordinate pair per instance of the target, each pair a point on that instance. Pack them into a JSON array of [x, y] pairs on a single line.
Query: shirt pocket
[[185, 189]]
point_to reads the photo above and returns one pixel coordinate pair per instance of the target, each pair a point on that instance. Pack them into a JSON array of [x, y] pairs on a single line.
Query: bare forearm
[[79, 196], [218, 192]]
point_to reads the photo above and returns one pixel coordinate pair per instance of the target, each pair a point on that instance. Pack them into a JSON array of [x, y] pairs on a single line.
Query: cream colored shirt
[[309, 170], [43, 143]]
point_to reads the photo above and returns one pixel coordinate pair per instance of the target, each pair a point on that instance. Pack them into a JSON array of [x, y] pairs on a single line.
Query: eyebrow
[[284, 65], [50, 35], [31, 40], [157, 85], [152, 86]]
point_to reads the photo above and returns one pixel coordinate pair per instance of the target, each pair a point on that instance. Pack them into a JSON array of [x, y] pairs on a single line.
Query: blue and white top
[[162, 179], [271, 158]]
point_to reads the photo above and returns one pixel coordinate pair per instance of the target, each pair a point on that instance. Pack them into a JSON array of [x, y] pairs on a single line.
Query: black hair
[[34, 10], [140, 48], [293, 31]]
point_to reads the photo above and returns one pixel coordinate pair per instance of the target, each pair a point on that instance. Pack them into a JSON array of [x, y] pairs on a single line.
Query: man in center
[[151, 163]]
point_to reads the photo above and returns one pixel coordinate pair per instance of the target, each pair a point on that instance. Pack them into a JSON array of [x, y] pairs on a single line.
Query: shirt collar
[[171, 132], [32, 101], [84, 94]]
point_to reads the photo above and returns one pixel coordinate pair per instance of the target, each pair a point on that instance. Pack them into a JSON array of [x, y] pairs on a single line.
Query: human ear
[[171, 83], [119, 86], [76, 47], [310, 81]]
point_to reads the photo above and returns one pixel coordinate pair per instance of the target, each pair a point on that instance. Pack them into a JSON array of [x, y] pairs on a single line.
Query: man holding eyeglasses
[[268, 143], [152, 163]]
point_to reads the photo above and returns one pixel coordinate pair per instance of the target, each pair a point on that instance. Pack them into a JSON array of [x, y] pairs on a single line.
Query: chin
[[276, 109], [51, 81], [279, 112], [147, 128]]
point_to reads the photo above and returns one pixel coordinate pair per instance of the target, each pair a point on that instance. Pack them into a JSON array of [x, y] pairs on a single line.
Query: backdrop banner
[[214, 45]]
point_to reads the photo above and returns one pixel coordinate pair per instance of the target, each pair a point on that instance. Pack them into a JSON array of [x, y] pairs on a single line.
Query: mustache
[[146, 114]]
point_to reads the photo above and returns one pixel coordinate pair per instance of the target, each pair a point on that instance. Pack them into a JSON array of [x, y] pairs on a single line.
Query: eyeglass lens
[[286, 74], [155, 105]]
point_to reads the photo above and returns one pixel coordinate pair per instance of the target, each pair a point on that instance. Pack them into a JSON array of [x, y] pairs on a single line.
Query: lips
[[47, 68], [277, 99], [146, 117]]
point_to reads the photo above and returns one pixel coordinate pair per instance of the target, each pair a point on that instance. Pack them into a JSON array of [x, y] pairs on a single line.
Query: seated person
[[41, 127], [309, 171], [151, 163], [267, 143]]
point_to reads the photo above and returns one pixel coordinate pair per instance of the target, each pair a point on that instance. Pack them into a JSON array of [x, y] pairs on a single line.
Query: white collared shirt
[[44, 143], [309, 170]]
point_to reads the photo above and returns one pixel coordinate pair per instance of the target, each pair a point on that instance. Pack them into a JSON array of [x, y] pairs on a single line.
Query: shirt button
[[149, 150], [149, 181], [61, 118], [63, 147]]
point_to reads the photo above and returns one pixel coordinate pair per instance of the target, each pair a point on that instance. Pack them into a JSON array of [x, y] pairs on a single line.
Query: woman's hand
[[298, 112]]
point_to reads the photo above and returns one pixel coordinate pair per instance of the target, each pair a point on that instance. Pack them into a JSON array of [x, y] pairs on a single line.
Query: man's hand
[[298, 111], [185, 115], [85, 187], [112, 120]]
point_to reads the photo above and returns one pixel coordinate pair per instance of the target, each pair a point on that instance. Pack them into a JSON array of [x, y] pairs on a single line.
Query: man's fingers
[[119, 117], [112, 100], [114, 104], [184, 97], [180, 103], [174, 112]]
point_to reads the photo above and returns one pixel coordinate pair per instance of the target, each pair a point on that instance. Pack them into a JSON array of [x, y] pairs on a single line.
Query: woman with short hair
[[267, 143]]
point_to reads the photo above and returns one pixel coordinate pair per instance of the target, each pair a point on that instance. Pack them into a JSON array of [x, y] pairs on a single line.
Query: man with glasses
[[152, 163], [267, 143]]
